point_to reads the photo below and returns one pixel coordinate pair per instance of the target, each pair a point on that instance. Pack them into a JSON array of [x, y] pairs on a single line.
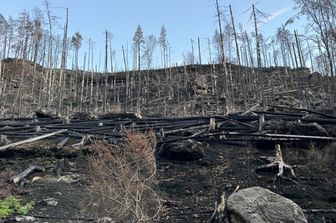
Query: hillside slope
[[176, 91]]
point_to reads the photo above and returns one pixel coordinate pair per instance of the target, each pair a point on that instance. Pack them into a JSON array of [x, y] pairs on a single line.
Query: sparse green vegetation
[[12, 205]]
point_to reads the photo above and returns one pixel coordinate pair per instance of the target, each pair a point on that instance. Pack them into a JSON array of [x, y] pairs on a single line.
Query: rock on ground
[[188, 150], [259, 205]]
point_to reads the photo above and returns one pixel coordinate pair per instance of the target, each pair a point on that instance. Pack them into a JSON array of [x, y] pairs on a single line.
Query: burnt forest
[[241, 130]]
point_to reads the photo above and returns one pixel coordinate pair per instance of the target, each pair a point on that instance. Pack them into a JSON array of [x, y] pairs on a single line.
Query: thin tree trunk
[[61, 83], [257, 36], [97, 90], [106, 74], [50, 96], [249, 49], [223, 61], [310, 57], [82, 84], [139, 78], [298, 49], [127, 80], [235, 36]]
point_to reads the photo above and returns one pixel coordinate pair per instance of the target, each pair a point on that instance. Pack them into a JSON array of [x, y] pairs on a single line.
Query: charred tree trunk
[[257, 36], [106, 73], [61, 82]]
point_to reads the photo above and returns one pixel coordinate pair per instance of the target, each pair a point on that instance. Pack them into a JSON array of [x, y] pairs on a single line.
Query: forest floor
[[188, 189]]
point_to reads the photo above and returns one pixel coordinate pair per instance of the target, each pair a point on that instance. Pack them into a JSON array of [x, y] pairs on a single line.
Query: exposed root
[[277, 161], [85, 139]]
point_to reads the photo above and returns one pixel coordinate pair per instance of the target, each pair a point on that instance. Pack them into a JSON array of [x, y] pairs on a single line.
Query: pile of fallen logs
[[276, 124]]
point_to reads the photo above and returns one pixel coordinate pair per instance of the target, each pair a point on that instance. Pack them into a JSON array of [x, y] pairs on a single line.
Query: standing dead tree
[[50, 42], [4, 34], [321, 15], [256, 35], [223, 60], [38, 34], [76, 42], [106, 73], [127, 80], [148, 51], [138, 41], [150, 43], [221, 37], [163, 41], [235, 35], [62, 78]]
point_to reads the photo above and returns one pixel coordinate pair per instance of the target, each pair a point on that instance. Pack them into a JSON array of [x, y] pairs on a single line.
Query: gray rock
[[105, 220], [24, 219], [50, 201], [4, 140], [259, 205]]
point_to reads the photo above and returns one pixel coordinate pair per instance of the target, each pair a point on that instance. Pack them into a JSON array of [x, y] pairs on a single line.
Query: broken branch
[[5, 147]]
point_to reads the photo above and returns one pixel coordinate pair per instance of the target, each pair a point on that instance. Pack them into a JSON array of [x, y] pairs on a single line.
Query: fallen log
[[17, 123], [308, 137], [5, 147], [319, 120], [186, 128], [59, 218], [279, 113], [15, 128], [18, 178], [63, 142], [238, 136], [305, 110], [319, 210], [251, 109], [95, 132], [284, 118]]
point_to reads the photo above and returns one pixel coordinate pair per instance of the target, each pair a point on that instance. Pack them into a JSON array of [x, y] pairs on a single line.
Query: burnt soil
[[188, 188]]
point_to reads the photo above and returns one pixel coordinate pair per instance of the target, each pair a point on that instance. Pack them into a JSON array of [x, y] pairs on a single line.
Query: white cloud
[[276, 14], [268, 19]]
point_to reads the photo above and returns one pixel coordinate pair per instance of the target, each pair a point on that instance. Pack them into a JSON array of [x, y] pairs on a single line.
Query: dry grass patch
[[322, 161], [123, 179]]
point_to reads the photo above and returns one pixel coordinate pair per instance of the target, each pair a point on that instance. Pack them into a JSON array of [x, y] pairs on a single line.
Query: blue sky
[[183, 19]]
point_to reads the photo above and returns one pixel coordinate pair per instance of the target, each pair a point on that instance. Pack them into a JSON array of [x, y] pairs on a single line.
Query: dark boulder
[[187, 150]]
